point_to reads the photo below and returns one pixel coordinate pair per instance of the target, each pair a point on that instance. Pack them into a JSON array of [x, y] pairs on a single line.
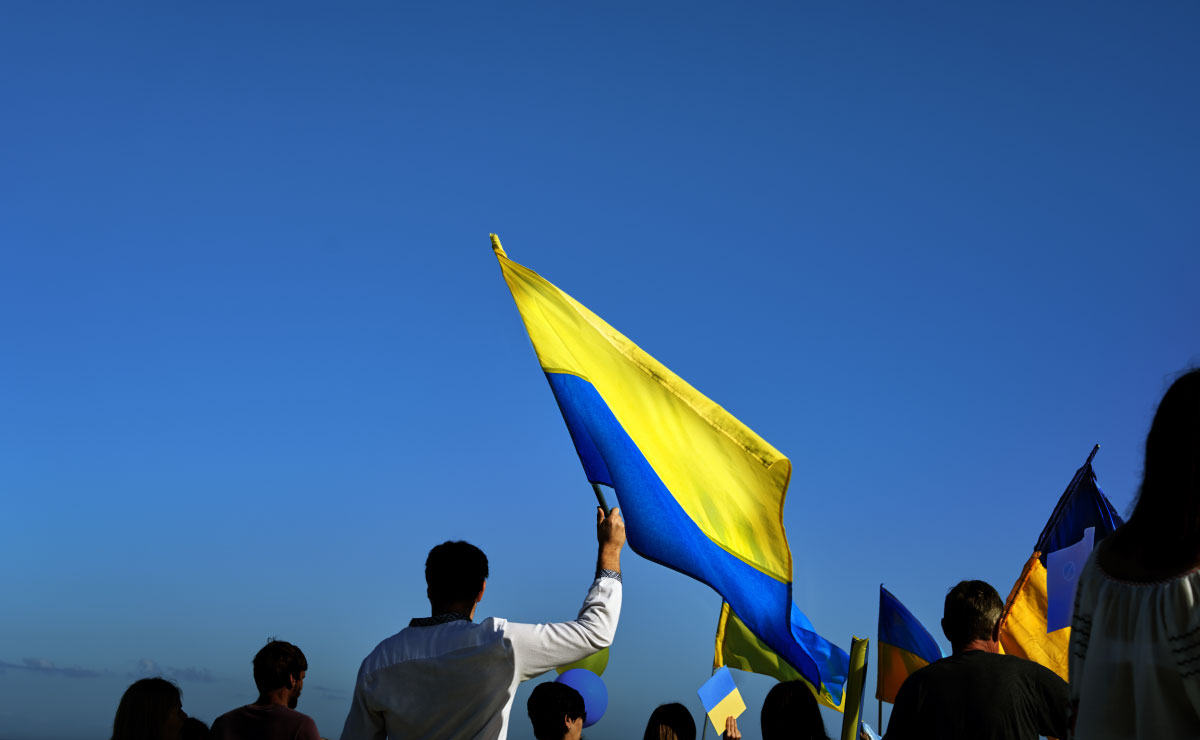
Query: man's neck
[[277, 696], [983, 646], [466, 608]]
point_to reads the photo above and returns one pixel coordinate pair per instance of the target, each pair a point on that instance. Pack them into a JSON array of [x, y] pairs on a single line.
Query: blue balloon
[[591, 688]]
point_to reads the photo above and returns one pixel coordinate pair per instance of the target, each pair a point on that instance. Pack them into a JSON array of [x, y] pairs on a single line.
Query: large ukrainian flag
[[701, 493], [905, 646], [1023, 623]]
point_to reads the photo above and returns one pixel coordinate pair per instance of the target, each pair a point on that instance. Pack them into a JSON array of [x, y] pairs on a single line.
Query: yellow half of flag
[[1023, 627]]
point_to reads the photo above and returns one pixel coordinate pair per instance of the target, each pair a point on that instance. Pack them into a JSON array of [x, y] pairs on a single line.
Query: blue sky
[[258, 357]]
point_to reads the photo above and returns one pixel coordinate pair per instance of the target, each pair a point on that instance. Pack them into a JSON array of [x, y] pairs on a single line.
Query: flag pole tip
[[499, 250]]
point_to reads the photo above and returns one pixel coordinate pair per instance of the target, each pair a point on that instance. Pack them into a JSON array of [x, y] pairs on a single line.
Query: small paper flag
[[721, 698]]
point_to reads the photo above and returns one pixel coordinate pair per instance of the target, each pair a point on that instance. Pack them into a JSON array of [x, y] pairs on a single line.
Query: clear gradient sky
[[256, 356]]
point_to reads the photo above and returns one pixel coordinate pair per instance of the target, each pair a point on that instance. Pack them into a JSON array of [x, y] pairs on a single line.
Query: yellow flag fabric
[[1024, 627]]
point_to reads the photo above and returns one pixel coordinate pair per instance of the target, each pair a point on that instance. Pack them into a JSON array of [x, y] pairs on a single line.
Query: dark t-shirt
[[264, 722], [980, 696]]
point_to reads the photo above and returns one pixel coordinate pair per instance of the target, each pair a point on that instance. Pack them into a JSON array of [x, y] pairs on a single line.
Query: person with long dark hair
[[1135, 638], [150, 709], [670, 722], [790, 712]]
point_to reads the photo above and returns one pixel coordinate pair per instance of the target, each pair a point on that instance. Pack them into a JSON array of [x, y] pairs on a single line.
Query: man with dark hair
[[445, 677], [279, 670], [454, 572], [978, 693], [556, 711]]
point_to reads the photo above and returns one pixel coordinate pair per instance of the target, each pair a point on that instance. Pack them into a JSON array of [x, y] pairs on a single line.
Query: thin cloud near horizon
[[145, 668], [48, 667]]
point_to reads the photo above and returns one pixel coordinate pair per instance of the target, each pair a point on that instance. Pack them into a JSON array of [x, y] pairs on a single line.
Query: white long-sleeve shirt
[[456, 680]]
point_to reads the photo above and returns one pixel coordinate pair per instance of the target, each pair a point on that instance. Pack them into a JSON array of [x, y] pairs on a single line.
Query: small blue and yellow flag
[[1023, 624], [721, 698], [700, 491], [904, 646]]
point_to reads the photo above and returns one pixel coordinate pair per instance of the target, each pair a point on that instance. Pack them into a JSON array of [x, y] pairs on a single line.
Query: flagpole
[[854, 685], [1094, 451], [880, 717], [600, 498], [703, 713]]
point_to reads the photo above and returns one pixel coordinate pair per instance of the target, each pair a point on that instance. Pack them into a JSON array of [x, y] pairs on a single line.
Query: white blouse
[[1135, 657]]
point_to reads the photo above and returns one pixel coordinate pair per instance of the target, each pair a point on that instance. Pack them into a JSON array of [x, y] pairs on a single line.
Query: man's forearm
[[609, 558]]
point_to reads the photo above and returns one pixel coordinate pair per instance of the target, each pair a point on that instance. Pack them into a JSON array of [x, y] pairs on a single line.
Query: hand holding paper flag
[[721, 698]]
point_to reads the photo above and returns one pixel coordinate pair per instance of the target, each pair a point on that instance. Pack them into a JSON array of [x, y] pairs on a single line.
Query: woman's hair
[[670, 722], [144, 709], [790, 713], [1170, 493]]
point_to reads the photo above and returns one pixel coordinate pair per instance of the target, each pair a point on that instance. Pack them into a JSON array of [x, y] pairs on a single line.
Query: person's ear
[[944, 632], [996, 631], [482, 588]]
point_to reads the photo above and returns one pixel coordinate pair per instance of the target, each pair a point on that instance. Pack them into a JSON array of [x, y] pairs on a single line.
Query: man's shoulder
[[422, 633], [945, 669], [259, 715], [1014, 664], [418, 642], [953, 667], [231, 714]]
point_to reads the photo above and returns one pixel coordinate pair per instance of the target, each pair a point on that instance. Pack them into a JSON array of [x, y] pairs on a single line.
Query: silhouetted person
[[150, 709], [790, 713], [445, 677], [978, 693], [556, 711], [670, 722], [279, 670], [194, 729], [1135, 638]]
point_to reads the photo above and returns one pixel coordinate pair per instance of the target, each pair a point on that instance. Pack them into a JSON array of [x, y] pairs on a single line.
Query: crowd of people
[[1134, 648]]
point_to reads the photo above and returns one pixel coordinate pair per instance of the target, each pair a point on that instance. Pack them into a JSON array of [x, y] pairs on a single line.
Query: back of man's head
[[972, 610], [455, 572], [276, 664], [550, 705]]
